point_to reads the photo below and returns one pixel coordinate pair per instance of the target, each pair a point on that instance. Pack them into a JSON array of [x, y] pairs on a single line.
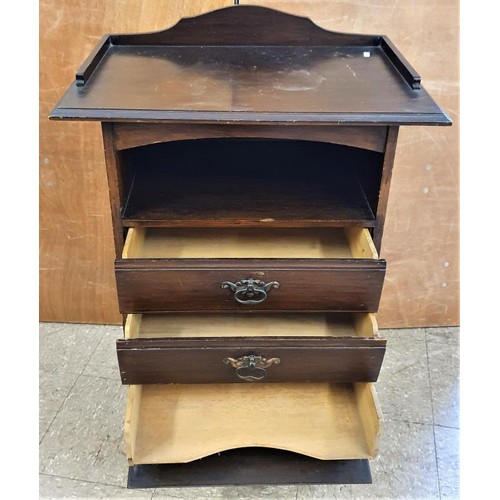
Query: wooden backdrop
[[421, 236]]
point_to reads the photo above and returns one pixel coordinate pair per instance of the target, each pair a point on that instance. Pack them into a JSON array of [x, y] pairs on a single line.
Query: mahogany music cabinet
[[249, 156]]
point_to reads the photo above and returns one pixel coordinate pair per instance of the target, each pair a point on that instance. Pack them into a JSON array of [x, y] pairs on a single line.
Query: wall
[[421, 237]]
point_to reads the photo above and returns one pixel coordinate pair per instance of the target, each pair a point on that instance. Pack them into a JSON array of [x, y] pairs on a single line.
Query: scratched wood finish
[[288, 85], [76, 281], [275, 67]]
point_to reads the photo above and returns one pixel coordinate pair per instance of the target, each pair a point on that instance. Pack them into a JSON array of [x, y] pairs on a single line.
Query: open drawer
[[217, 348], [181, 423], [249, 269]]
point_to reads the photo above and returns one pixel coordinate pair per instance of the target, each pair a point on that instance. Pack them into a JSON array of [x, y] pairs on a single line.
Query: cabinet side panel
[[115, 187], [385, 183]]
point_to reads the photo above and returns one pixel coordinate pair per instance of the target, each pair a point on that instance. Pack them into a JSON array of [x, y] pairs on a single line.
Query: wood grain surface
[[164, 285], [213, 83], [421, 227], [179, 423], [76, 237], [422, 223]]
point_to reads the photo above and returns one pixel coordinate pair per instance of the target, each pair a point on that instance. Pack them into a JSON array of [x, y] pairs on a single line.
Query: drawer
[[248, 269], [180, 423], [226, 348]]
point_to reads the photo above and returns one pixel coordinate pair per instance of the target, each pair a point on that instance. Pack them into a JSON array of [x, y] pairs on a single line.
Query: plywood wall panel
[[76, 247], [421, 236], [422, 226]]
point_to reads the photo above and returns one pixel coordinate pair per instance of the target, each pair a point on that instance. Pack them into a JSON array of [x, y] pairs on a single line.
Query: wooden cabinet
[[249, 157]]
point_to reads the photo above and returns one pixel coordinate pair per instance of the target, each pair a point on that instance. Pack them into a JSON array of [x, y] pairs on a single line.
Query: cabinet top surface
[[304, 74]]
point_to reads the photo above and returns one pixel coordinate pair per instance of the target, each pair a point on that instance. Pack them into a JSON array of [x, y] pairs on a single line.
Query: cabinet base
[[250, 466]]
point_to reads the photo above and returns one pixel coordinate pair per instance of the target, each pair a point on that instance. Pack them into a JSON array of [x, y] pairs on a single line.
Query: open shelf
[[250, 182]]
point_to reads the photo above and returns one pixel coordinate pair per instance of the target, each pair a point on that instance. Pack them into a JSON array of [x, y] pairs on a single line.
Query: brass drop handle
[[250, 291], [251, 368]]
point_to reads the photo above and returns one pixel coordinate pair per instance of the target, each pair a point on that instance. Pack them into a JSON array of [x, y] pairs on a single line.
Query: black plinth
[[250, 466]]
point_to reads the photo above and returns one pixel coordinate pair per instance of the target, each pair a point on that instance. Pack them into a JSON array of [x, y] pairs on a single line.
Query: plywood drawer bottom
[[179, 423]]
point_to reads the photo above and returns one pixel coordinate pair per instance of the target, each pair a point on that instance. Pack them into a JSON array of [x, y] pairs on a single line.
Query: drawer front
[[211, 285], [229, 360]]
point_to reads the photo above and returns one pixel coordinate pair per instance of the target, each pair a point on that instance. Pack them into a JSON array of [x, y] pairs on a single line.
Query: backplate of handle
[[251, 368], [250, 291]]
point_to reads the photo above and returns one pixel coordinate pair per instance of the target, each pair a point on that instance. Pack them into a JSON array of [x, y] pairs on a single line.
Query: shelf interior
[[180, 423], [250, 182]]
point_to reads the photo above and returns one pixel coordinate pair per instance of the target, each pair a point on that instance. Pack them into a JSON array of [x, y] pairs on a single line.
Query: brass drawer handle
[[246, 365], [250, 291]]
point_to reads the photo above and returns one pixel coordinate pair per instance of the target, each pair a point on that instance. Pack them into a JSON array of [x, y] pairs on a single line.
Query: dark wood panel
[[248, 117], [291, 85], [115, 176], [194, 361], [298, 71], [256, 26], [385, 184], [163, 285], [92, 61], [128, 135], [247, 466]]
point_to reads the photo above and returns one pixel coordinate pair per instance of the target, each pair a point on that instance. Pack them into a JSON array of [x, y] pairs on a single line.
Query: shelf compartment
[[180, 348], [182, 423], [170, 269], [250, 182]]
